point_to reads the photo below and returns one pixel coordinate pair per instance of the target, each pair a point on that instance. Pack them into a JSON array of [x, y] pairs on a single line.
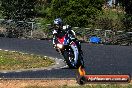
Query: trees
[[79, 13], [128, 6], [128, 17], [18, 9]]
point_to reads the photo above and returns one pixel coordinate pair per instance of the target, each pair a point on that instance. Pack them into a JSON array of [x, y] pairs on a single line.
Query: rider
[[60, 30]]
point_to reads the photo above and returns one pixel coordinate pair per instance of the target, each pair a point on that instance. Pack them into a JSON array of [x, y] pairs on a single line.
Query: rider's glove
[[54, 45]]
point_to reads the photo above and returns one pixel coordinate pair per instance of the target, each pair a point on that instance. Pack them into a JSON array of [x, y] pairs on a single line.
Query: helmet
[[58, 23]]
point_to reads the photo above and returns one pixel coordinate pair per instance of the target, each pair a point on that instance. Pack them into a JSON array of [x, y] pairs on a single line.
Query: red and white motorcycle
[[69, 49]]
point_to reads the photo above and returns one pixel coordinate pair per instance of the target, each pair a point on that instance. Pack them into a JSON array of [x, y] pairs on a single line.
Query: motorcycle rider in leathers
[[60, 30]]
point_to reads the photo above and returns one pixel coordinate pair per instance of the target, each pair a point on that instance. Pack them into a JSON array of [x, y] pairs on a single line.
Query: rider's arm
[[73, 33], [54, 37], [68, 28]]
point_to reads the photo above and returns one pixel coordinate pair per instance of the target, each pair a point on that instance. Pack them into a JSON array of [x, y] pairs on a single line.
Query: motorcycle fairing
[[63, 40]]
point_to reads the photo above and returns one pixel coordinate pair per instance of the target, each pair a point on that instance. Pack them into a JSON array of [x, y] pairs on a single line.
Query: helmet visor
[[56, 26]]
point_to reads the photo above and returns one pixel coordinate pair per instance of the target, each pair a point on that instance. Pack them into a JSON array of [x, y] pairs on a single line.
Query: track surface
[[99, 59]]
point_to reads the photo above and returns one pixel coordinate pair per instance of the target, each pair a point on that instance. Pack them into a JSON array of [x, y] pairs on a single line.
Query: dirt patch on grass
[[63, 83], [41, 83]]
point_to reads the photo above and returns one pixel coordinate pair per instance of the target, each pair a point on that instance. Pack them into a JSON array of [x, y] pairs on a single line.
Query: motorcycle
[[64, 47]]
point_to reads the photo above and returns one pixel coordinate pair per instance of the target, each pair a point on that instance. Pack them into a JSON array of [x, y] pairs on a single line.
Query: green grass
[[88, 86], [16, 60]]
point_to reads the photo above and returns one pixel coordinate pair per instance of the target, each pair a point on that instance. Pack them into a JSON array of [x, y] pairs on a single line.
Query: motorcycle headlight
[[60, 46]]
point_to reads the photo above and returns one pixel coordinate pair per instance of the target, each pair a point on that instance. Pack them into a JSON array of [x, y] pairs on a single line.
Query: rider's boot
[[79, 47]]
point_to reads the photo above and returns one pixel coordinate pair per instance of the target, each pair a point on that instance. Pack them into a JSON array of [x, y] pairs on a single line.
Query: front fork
[[79, 59], [75, 50], [59, 50]]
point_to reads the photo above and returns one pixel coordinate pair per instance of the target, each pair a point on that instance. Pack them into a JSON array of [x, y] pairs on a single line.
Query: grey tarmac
[[99, 59]]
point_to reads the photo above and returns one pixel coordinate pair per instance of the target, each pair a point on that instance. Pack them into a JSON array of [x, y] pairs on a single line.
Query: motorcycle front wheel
[[69, 58]]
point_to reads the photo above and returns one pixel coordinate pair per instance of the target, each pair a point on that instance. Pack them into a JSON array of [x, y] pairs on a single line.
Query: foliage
[[128, 22], [110, 20], [18, 9], [76, 12], [41, 7], [127, 4]]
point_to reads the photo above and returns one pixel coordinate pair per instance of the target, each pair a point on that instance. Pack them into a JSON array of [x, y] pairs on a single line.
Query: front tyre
[[69, 58]]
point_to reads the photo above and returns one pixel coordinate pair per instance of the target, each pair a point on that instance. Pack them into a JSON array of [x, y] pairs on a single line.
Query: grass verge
[[16, 60]]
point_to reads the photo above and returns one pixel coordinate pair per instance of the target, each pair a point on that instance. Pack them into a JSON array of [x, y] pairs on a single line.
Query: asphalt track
[[99, 59]]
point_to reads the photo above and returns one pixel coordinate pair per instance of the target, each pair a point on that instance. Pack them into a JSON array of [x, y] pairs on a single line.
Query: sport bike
[[69, 49]]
